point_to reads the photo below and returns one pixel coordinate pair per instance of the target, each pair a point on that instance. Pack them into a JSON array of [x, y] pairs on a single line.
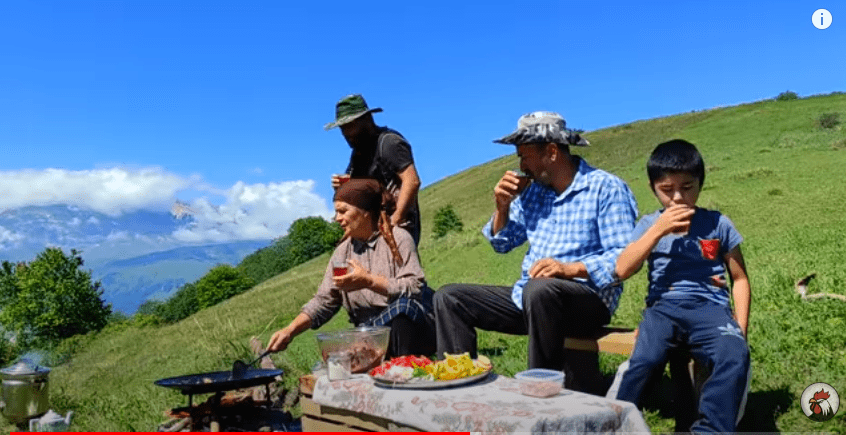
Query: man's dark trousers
[[552, 309]]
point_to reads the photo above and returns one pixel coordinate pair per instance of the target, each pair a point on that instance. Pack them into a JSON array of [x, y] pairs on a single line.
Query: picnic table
[[491, 405]]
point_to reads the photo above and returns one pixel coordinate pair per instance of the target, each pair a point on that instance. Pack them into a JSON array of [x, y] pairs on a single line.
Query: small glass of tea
[[524, 179], [339, 268]]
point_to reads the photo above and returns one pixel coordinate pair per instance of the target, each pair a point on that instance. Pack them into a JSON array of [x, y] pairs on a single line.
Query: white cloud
[[117, 235], [241, 212], [111, 191], [257, 171], [255, 211], [7, 236]]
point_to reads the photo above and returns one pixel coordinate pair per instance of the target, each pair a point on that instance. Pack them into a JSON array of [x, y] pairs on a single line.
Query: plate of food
[[421, 373]]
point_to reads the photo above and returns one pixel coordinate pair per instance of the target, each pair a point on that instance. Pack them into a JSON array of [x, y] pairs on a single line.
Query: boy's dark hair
[[675, 156]]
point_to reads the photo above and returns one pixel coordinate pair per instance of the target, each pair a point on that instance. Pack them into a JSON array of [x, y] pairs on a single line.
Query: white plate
[[431, 385]]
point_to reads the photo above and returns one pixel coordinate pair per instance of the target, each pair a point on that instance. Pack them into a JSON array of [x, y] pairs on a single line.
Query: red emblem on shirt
[[710, 248]]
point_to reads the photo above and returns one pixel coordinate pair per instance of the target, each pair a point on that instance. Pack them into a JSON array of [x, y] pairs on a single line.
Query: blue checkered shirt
[[590, 223]]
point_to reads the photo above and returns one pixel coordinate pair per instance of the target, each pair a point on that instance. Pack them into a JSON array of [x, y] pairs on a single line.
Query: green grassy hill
[[770, 167]]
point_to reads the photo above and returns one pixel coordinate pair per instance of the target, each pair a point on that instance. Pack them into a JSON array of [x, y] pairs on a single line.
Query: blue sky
[[221, 104]]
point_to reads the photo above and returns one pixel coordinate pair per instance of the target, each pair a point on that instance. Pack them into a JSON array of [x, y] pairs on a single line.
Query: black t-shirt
[[383, 159]]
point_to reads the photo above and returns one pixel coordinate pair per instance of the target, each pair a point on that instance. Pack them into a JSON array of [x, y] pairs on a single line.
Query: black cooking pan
[[219, 381]]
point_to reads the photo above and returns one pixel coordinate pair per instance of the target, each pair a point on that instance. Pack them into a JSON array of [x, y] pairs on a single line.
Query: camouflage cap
[[542, 127], [348, 109]]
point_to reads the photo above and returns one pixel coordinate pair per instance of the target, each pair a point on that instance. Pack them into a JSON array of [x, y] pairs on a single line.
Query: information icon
[[821, 19]]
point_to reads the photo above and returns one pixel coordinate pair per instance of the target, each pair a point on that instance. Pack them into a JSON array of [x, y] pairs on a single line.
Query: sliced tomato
[[410, 361]]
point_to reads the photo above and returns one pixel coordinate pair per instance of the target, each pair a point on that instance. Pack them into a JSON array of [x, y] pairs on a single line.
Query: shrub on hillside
[[307, 238], [142, 320], [220, 284], [117, 317], [149, 313], [310, 237], [787, 96], [268, 262], [446, 221], [150, 306], [182, 304], [50, 298], [829, 120]]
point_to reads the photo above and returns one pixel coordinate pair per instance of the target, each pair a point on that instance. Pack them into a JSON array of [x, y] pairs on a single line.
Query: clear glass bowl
[[365, 345]]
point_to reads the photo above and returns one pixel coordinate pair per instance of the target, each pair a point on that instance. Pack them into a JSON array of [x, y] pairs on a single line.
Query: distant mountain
[[127, 283], [134, 254]]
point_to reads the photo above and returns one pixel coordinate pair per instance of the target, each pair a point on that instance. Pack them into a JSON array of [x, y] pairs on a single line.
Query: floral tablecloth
[[493, 405]]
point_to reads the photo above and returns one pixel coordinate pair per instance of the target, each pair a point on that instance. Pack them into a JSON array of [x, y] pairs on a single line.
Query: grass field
[[776, 173]]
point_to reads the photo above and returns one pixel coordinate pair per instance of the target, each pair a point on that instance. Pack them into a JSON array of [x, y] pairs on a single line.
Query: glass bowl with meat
[[365, 345]]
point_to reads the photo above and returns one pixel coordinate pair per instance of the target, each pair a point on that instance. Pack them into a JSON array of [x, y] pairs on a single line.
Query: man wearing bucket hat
[[380, 153], [577, 220]]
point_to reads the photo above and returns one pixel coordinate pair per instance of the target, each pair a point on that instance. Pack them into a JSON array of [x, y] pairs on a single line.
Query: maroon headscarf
[[364, 193], [368, 195]]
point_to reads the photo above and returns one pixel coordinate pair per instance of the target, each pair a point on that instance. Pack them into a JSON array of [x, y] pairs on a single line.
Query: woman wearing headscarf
[[384, 284]]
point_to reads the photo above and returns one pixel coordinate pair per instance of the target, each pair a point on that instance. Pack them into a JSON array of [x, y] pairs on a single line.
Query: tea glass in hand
[[683, 231], [338, 180], [339, 268], [523, 178]]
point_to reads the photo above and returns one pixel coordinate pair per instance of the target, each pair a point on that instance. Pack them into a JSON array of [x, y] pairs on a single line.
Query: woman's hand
[[280, 340], [357, 277]]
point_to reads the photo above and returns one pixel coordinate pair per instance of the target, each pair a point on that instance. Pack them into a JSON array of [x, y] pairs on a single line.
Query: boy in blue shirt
[[689, 250]]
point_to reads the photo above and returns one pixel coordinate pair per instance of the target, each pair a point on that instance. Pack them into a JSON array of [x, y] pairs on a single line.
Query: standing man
[[383, 154], [577, 220]]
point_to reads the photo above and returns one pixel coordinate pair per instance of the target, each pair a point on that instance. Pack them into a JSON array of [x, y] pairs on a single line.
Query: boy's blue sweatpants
[[713, 337]]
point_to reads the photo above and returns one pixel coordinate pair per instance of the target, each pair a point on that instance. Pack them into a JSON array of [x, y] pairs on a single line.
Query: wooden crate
[[320, 418]]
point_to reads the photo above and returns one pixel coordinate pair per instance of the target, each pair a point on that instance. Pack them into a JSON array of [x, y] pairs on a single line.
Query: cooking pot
[[24, 391]]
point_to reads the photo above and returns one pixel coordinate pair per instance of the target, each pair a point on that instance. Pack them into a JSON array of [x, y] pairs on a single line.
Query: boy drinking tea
[[689, 249]]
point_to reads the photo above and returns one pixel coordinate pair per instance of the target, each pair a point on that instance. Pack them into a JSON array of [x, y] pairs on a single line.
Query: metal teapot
[[51, 422]]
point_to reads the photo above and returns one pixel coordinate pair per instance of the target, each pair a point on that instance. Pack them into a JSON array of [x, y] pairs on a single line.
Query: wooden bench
[[581, 361], [688, 376], [610, 339], [621, 341]]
